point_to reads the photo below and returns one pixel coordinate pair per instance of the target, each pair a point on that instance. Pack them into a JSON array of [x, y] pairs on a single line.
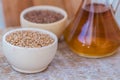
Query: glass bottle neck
[[105, 2]]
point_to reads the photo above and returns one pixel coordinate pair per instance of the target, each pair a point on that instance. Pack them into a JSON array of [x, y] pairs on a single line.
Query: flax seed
[[29, 39]]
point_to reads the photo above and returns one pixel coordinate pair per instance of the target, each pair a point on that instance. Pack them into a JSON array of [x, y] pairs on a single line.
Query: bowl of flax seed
[[45, 17], [29, 50]]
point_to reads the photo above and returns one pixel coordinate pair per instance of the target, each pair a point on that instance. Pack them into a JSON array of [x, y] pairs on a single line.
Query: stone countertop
[[67, 66]]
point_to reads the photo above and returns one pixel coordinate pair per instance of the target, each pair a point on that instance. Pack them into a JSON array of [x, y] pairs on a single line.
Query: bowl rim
[[44, 7], [52, 35]]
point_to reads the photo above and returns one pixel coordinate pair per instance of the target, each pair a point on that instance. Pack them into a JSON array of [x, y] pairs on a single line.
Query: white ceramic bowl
[[55, 27], [29, 60]]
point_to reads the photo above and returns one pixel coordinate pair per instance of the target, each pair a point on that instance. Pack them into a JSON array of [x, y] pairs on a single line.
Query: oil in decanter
[[94, 32]]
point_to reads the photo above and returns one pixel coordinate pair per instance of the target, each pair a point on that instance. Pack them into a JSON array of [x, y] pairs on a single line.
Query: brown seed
[[43, 16]]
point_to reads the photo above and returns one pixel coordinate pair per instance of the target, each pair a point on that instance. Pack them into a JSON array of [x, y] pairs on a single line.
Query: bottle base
[[86, 56]]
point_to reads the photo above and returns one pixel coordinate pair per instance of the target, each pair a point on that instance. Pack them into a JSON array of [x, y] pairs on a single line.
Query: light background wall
[[2, 25]]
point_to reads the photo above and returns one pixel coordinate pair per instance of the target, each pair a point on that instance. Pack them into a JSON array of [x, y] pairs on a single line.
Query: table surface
[[67, 66]]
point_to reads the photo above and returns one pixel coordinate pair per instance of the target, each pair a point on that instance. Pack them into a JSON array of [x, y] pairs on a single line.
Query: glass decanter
[[94, 32]]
